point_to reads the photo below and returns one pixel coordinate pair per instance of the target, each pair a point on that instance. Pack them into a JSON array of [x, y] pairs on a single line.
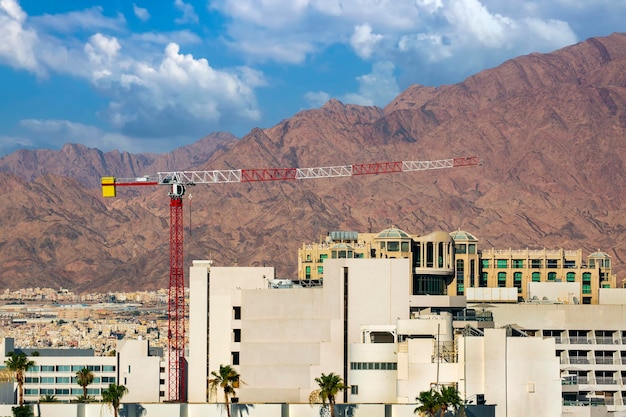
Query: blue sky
[[150, 76]]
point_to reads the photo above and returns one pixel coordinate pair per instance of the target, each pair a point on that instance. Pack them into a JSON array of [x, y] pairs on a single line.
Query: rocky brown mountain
[[549, 129]]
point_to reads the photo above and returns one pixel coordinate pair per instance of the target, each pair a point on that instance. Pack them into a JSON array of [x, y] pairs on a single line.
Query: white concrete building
[[364, 325], [590, 344], [55, 370]]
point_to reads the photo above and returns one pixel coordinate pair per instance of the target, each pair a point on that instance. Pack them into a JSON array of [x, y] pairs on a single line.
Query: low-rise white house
[[54, 373]]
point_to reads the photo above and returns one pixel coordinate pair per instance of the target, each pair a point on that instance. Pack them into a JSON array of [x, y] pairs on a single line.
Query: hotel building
[[449, 263]]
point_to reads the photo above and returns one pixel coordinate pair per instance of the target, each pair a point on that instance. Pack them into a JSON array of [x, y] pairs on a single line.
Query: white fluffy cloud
[[189, 14], [154, 90], [425, 40], [377, 88], [141, 13], [18, 42], [363, 40], [148, 97]]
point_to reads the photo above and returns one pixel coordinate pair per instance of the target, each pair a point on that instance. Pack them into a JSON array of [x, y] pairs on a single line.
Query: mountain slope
[[549, 129]]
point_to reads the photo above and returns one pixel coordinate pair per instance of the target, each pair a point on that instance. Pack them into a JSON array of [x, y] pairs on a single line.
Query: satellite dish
[[576, 300]]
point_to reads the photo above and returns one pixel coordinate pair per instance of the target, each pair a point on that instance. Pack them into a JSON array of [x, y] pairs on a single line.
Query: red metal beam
[[465, 162], [376, 168], [176, 305]]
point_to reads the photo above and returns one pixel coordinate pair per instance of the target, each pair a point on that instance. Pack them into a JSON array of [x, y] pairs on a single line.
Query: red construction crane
[[178, 180]]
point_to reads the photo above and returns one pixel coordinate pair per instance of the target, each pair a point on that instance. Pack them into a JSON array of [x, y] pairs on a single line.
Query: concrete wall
[[238, 410]]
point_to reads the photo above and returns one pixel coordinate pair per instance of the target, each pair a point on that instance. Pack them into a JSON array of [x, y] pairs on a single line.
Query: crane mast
[[177, 180]]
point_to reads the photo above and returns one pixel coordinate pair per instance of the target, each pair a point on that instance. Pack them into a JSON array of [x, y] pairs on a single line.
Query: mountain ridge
[[549, 129]]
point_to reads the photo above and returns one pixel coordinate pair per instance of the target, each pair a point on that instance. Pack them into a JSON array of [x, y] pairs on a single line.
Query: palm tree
[[48, 398], [449, 399], [429, 403], [227, 379], [113, 395], [19, 363], [84, 378], [329, 387]]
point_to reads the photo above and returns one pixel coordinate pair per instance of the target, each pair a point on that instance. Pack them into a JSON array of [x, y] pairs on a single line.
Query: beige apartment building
[[448, 263]]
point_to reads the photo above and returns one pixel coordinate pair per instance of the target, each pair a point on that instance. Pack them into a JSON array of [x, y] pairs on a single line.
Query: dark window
[[235, 357], [237, 313], [237, 335]]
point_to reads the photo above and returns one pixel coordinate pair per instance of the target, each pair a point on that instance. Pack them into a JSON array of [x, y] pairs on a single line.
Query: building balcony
[[606, 381]]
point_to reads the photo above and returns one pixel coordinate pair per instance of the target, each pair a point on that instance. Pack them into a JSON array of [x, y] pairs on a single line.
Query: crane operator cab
[[178, 190]]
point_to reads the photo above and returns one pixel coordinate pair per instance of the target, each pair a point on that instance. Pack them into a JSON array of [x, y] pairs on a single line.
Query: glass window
[[501, 279], [382, 245], [460, 248], [63, 368], [47, 368], [518, 263], [46, 391], [320, 270], [47, 380], [62, 391], [405, 247], [587, 278], [551, 276], [553, 263], [440, 256], [393, 246], [77, 391], [485, 263], [333, 254], [31, 380], [108, 368], [571, 277], [323, 256], [484, 279], [472, 248], [62, 380], [31, 391], [76, 368], [94, 368], [430, 255], [108, 380], [586, 289], [535, 263], [536, 276], [592, 263], [502, 263]]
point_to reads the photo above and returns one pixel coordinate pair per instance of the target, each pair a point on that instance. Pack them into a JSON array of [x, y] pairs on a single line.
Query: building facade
[[450, 263], [54, 372], [590, 344], [363, 324]]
